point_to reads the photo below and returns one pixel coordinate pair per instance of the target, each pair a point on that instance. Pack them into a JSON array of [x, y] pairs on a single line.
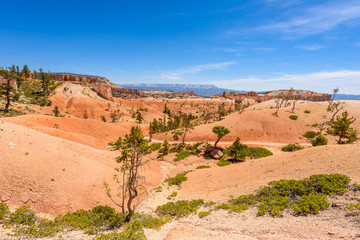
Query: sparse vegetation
[[178, 179], [319, 141], [56, 111], [291, 147], [307, 111], [293, 117], [204, 214], [203, 166], [179, 209], [259, 152], [182, 155], [310, 134]]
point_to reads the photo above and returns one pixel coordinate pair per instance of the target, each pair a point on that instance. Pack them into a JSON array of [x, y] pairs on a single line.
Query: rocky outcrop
[[79, 78], [103, 90], [121, 92]]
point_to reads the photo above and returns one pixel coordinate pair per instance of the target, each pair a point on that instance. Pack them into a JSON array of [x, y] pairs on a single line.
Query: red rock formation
[[12, 82]]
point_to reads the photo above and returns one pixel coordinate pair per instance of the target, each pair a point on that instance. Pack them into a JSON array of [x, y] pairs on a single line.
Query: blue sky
[[243, 45]]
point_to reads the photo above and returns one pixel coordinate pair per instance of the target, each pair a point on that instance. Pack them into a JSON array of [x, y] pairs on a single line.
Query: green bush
[[131, 230], [179, 209], [293, 117], [178, 179], [182, 155], [173, 194], [23, 216], [203, 166], [259, 152], [204, 214], [149, 221], [291, 147], [319, 141], [155, 146], [310, 134], [4, 211], [242, 203], [311, 204], [91, 221], [279, 195], [223, 163], [307, 111], [237, 151], [353, 206]]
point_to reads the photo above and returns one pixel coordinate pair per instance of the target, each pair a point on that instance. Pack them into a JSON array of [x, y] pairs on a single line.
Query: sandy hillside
[[55, 175], [217, 183], [257, 123]]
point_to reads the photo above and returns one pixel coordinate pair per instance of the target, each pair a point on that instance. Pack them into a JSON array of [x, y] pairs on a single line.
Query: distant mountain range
[[200, 89], [206, 90], [347, 97]]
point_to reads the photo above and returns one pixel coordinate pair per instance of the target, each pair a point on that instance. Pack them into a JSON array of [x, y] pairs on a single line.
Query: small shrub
[[204, 214], [173, 194], [202, 167], [223, 163], [179, 209], [4, 211], [103, 118], [310, 134], [311, 204], [23, 216], [158, 189], [293, 117], [56, 111], [353, 206], [182, 154], [291, 147], [155, 147], [131, 230], [178, 179], [85, 116], [223, 206], [319, 141], [307, 111], [259, 152], [149, 221]]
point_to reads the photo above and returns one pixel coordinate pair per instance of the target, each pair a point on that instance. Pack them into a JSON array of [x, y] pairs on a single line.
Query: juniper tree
[[341, 127], [26, 71], [220, 132]]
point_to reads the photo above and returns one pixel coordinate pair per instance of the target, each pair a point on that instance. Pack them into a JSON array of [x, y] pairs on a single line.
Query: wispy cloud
[[311, 47], [180, 73], [317, 19], [346, 80]]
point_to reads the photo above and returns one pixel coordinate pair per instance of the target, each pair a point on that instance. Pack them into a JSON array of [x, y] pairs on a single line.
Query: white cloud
[[317, 19], [347, 80], [311, 47]]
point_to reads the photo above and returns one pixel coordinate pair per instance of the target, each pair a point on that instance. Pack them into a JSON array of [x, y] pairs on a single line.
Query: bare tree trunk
[[216, 142]]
